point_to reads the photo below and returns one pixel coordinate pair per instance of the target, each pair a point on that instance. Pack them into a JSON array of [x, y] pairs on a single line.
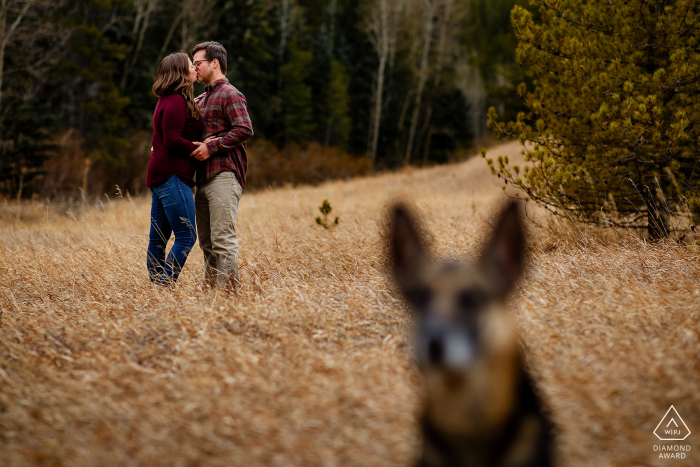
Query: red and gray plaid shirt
[[225, 113]]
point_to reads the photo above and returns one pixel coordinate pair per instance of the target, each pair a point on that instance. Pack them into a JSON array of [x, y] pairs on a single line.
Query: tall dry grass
[[310, 364]]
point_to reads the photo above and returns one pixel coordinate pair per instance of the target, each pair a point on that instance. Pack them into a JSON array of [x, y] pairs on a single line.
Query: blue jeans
[[172, 211]]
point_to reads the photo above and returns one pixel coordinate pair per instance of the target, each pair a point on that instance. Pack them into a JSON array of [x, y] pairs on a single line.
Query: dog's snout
[[435, 351], [444, 346]]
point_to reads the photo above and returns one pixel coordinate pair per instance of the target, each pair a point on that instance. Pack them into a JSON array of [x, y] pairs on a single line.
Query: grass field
[[310, 364]]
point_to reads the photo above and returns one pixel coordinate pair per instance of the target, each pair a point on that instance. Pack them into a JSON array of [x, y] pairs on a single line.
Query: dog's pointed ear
[[504, 255], [408, 251]]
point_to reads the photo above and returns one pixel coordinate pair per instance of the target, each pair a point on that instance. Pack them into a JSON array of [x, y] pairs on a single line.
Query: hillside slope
[[310, 364]]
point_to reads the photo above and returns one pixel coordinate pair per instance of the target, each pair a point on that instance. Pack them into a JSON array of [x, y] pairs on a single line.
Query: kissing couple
[[205, 136]]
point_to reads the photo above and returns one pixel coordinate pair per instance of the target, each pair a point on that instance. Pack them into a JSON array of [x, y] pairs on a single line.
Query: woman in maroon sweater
[[177, 124]]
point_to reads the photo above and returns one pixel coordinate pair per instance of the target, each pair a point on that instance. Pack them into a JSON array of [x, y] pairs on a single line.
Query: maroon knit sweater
[[173, 133]]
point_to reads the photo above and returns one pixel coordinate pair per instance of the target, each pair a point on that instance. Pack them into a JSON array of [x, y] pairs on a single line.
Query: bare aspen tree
[[196, 14], [447, 20], [332, 9], [469, 81], [429, 12], [382, 23], [144, 8], [184, 30], [36, 46], [380, 40], [14, 12], [168, 38], [285, 16]]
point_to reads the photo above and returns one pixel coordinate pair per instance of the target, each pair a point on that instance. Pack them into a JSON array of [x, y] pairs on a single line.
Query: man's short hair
[[212, 50]]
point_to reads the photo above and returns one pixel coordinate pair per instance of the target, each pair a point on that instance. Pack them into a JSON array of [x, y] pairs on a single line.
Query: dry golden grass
[[310, 364]]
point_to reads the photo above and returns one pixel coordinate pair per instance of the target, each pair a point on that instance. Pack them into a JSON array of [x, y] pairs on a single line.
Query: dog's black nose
[[435, 351]]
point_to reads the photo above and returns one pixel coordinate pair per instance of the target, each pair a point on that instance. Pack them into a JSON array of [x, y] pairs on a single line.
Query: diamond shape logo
[[672, 427]]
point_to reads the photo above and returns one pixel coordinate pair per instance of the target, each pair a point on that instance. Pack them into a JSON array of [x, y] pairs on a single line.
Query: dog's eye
[[469, 301], [419, 297]]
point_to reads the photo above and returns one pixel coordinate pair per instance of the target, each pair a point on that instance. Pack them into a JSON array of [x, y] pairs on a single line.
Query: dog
[[481, 408]]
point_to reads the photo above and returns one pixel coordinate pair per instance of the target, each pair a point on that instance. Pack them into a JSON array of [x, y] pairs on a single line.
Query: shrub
[[311, 164]]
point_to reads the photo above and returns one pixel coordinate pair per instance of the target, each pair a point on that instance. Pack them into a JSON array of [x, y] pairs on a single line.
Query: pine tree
[[244, 30], [295, 95], [337, 103], [26, 46], [612, 131], [358, 56], [489, 37]]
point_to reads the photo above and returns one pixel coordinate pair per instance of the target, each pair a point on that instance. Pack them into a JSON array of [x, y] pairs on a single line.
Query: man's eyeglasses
[[198, 62]]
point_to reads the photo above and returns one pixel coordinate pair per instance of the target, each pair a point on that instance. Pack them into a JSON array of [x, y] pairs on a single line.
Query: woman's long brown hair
[[172, 79]]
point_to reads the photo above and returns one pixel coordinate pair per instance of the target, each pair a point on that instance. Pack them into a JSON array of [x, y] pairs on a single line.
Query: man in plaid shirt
[[222, 171]]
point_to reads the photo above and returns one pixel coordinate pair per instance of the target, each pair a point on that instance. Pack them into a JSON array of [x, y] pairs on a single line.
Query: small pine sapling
[[326, 209]]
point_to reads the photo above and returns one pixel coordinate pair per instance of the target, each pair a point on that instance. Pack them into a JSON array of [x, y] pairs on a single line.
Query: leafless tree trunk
[[6, 32], [183, 27], [285, 14], [422, 76], [332, 8], [144, 8], [383, 27], [22, 174], [196, 15], [468, 81], [86, 170], [382, 46], [404, 109], [169, 37], [446, 20]]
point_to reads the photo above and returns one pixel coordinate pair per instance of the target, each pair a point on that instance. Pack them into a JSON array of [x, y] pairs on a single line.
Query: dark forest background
[[334, 87]]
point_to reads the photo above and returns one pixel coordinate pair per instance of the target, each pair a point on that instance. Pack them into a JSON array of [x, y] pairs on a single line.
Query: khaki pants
[[216, 207]]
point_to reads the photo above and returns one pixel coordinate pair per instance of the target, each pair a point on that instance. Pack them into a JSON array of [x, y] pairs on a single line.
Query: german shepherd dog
[[481, 407]]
